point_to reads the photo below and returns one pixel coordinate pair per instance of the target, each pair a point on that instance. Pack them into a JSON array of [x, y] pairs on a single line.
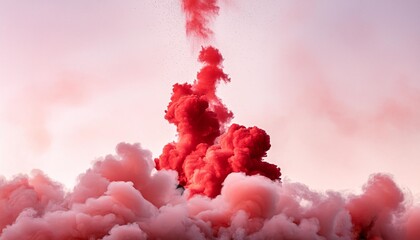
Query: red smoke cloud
[[230, 192], [203, 156]]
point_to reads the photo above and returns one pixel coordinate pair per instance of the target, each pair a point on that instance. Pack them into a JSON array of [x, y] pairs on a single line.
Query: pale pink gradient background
[[335, 83]]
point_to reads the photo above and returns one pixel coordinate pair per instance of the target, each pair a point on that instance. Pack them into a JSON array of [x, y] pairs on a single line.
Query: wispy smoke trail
[[230, 192], [198, 15]]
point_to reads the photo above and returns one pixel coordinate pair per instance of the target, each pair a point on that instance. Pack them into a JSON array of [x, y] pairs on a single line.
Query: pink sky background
[[335, 84]]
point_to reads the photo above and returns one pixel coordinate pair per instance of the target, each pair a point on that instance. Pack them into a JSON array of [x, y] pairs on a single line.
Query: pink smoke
[[121, 198], [230, 192]]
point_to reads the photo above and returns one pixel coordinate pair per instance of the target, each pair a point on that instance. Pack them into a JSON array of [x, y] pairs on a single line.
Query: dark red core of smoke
[[205, 154]]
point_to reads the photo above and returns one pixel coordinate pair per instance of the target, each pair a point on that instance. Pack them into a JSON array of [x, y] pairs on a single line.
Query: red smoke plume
[[203, 157], [230, 192]]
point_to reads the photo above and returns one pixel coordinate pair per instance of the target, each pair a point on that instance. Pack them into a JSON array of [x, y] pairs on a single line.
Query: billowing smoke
[[121, 198], [230, 192], [203, 156]]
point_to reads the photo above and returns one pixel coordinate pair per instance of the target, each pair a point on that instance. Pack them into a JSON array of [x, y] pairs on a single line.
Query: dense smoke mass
[[121, 198], [230, 191], [202, 162]]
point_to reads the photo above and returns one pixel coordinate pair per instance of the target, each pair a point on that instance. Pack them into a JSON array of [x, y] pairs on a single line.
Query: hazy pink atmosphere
[[335, 84]]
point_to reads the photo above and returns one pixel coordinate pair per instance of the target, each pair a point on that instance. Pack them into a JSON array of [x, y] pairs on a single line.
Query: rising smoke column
[[203, 156]]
